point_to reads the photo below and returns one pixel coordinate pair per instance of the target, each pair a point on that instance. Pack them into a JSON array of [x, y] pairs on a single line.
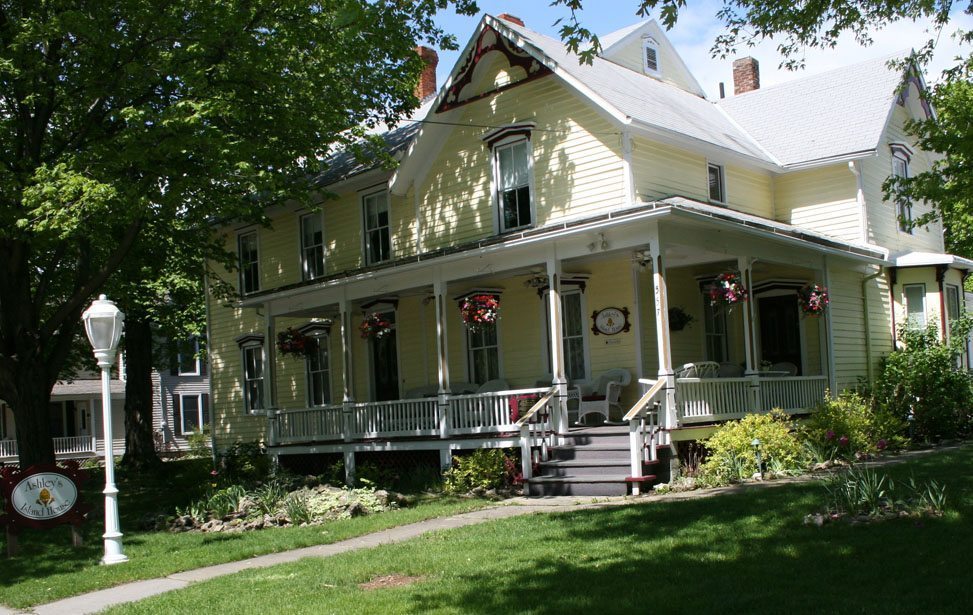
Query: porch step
[[582, 485], [590, 467], [589, 451], [610, 435]]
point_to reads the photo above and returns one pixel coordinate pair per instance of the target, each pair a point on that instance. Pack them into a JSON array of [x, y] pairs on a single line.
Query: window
[[573, 335], [378, 246], [650, 56], [312, 246], [249, 262], [319, 373], [717, 187], [900, 169], [513, 169], [915, 305], [714, 325], [952, 303], [253, 377], [192, 412], [187, 358], [484, 352]]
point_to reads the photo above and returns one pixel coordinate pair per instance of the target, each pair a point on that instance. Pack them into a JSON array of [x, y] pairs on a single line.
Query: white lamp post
[[103, 323]]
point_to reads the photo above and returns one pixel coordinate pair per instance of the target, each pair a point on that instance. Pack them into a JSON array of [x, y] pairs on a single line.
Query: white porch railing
[[309, 424], [8, 448], [70, 446], [488, 412], [718, 399], [793, 393], [398, 418]]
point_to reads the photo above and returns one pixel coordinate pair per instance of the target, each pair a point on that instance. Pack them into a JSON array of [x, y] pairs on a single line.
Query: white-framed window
[[187, 358], [715, 332], [312, 246], [901, 156], [650, 56], [318, 369], [915, 305], [717, 183], [253, 376], [513, 171], [572, 334], [484, 353], [249, 257], [191, 412], [952, 303], [378, 240]]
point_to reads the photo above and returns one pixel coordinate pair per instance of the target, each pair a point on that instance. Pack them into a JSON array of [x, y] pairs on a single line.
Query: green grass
[[746, 552], [47, 568]]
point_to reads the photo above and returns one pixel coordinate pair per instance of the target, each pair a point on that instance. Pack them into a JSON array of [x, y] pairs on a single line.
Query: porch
[[72, 447]]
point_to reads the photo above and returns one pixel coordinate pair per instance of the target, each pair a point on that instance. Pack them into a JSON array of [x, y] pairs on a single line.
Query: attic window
[[650, 56]]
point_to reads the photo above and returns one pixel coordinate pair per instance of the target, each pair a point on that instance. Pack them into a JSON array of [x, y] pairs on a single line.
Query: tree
[[121, 115]]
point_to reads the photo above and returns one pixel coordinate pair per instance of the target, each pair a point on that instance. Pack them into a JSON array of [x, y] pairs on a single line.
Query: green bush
[[485, 468], [731, 454], [245, 462], [851, 424], [198, 444], [371, 474], [922, 383]]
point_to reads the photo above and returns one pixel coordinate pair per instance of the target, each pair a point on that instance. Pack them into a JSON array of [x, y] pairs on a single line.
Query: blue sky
[[693, 37]]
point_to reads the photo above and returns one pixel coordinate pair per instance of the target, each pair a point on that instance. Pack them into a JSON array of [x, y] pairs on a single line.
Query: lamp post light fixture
[[756, 451], [103, 322]]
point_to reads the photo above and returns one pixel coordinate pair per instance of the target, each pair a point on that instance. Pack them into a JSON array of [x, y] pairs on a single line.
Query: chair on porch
[[492, 386], [731, 370], [607, 391], [784, 366], [700, 369]]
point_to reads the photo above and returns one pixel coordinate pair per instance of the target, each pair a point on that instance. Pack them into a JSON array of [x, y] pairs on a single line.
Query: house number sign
[[610, 320]]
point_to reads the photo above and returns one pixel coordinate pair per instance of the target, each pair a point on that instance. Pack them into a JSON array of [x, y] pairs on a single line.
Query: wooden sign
[[610, 321], [42, 496]]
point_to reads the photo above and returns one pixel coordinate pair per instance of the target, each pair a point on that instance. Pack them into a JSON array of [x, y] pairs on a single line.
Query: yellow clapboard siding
[[822, 200]]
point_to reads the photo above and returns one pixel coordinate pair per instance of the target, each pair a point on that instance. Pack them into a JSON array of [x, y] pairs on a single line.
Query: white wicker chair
[[605, 396]]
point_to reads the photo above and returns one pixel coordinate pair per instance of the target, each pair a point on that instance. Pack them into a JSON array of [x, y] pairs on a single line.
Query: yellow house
[[678, 247]]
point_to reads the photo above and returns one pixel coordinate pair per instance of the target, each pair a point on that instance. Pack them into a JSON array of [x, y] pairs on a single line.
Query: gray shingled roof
[[645, 99], [823, 116], [344, 164]]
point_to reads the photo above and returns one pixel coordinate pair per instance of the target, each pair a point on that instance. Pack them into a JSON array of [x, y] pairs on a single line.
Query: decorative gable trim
[[248, 339], [319, 327], [512, 130], [489, 40]]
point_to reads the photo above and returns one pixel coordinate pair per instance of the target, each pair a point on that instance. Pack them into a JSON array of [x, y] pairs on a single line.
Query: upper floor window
[[512, 167], [312, 246], [717, 184], [253, 376], [915, 305], [249, 256], [378, 241], [187, 358], [901, 156], [650, 56]]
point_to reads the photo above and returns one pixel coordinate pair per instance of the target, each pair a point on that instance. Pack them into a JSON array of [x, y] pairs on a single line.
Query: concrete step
[[582, 485]]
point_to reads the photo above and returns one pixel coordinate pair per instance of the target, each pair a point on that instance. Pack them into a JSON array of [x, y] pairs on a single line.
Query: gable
[[627, 48]]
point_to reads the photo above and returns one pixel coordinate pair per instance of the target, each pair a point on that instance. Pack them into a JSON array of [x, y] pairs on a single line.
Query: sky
[[696, 31]]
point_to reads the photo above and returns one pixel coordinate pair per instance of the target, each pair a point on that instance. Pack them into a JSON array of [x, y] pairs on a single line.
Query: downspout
[[940, 279], [869, 367], [628, 169], [860, 198]]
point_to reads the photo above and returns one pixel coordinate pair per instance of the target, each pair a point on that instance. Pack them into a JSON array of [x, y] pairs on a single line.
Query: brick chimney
[[427, 80], [511, 19], [746, 75]]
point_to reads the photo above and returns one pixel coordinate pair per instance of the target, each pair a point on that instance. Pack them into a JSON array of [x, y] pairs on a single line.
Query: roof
[[930, 259], [85, 388], [821, 117]]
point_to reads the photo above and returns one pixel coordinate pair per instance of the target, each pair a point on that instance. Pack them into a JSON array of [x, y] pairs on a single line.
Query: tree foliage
[[125, 121]]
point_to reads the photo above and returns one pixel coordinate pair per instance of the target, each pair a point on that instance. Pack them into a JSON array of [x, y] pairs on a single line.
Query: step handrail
[[538, 405], [639, 408]]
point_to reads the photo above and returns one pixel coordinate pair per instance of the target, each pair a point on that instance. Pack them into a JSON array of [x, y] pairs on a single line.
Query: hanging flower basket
[[293, 343], [374, 326], [727, 289], [480, 310], [679, 319], [813, 299]]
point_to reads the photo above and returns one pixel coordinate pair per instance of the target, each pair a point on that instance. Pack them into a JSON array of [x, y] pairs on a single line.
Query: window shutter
[[204, 402], [176, 416], [202, 363], [651, 58]]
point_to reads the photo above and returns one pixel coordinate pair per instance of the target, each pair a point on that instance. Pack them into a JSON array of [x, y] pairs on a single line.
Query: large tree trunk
[[140, 451], [31, 408]]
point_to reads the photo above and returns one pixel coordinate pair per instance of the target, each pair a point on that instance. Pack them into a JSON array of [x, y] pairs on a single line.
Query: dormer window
[[512, 176], [901, 156], [650, 56]]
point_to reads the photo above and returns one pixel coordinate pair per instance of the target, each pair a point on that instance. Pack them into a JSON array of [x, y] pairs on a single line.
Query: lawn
[[48, 568], [744, 552]]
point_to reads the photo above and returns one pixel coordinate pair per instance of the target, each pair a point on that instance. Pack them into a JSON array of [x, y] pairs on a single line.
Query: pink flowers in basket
[[480, 310], [813, 299], [374, 326], [292, 342], [727, 289]]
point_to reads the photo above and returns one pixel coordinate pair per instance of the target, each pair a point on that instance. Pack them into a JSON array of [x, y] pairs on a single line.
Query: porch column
[[829, 331], [270, 373], [656, 252], [442, 355], [555, 326], [347, 386], [745, 265]]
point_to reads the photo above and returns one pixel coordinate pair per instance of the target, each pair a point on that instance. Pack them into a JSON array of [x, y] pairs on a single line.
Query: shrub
[[198, 444], [731, 453], [866, 492], [246, 462], [922, 382], [371, 474], [483, 469], [851, 424]]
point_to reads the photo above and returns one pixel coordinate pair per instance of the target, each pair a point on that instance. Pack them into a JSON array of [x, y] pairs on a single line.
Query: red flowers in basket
[[813, 299], [292, 342], [727, 289], [374, 326], [480, 310]]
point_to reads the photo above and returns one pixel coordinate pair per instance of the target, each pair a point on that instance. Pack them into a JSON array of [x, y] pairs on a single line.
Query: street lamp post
[[103, 322]]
